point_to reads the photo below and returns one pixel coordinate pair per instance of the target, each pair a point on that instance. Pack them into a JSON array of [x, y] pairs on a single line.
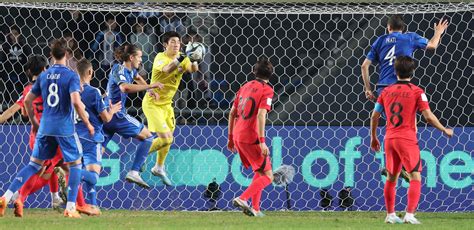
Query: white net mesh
[[319, 123]]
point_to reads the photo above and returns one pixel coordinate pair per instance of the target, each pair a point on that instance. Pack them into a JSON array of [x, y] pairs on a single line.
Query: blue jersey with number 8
[[55, 86], [390, 46]]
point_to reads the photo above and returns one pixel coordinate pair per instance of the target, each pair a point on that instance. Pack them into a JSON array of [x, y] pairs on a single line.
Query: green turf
[[124, 219]]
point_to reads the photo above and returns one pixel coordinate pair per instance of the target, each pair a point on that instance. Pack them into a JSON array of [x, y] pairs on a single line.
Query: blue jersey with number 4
[[55, 86], [118, 75], [390, 46]]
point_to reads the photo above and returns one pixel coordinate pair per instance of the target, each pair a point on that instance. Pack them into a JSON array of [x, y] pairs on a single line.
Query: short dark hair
[[396, 22], [405, 67], [82, 66], [35, 65], [166, 36], [59, 48], [263, 69], [123, 52]]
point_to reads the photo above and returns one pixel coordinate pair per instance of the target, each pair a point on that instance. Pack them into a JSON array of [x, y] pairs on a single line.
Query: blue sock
[[142, 153], [74, 180], [24, 174], [89, 176]]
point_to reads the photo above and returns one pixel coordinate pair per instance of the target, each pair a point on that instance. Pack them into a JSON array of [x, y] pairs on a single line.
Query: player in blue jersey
[[120, 84], [59, 87], [92, 145], [396, 43]]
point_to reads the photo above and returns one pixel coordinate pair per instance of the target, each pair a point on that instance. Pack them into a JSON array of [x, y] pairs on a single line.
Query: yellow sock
[[162, 153]]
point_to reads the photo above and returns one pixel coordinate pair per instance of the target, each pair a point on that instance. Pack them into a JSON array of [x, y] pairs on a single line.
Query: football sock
[[20, 178], [256, 185], [53, 183], [90, 177], [163, 152], [26, 188], [414, 192], [256, 197], [39, 183], [73, 185], [142, 153], [89, 185], [389, 195], [80, 196]]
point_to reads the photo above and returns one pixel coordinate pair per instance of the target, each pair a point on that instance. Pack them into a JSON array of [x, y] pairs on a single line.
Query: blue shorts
[[45, 147], [92, 152], [124, 125]]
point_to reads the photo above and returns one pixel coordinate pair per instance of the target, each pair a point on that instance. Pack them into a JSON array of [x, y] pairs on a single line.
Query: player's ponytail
[[35, 65], [123, 52]]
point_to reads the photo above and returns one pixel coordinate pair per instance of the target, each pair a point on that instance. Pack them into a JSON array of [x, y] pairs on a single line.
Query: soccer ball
[[195, 51]]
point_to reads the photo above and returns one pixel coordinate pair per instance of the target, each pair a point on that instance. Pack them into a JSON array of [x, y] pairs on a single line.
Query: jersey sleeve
[[422, 101], [373, 54], [21, 100], [185, 63], [419, 42], [159, 63], [74, 84], [266, 101], [236, 100], [380, 99], [99, 104]]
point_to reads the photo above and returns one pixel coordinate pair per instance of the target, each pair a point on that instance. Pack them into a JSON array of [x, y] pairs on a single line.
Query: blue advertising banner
[[329, 158]]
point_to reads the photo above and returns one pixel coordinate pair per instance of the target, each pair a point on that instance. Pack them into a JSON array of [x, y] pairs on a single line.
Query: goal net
[[320, 118]]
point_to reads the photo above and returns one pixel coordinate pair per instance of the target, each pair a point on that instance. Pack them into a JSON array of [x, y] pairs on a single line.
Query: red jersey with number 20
[[251, 97], [400, 102]]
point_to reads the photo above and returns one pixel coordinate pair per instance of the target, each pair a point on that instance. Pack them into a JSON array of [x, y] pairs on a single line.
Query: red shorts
[[400, 152], [251, 155]]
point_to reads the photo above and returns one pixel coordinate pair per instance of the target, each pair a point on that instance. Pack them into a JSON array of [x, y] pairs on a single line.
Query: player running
[[400, 102], [247, 134], [120, 84]]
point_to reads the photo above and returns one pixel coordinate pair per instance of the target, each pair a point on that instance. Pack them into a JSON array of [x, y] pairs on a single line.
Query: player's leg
[[393, 165], [146, 138], [161, 121], [92, 160], [43, 150], [412, 162], [72, 154]]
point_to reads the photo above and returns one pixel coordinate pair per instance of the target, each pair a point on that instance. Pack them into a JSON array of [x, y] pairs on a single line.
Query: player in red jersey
[[34, 66], [400, 102], [247, 134]]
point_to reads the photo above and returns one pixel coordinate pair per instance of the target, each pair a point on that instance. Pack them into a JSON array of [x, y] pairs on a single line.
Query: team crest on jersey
[[122, 78]]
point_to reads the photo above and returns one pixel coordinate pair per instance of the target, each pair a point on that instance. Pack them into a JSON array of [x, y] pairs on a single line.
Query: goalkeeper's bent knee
[[159, 143]]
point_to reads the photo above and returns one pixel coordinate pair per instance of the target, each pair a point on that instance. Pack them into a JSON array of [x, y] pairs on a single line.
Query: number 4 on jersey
[[390, 55]]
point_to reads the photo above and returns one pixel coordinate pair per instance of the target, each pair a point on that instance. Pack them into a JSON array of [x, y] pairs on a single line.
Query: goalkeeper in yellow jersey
[[168, 68]]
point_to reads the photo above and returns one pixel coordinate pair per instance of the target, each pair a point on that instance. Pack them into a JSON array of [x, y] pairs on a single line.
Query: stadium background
[[320, 118]]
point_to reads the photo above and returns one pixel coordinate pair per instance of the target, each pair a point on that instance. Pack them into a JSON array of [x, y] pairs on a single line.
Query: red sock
[[26, 188], [53, 183], [80, 197], [389, 193], [256, 186], [256, 197], [414, 192]]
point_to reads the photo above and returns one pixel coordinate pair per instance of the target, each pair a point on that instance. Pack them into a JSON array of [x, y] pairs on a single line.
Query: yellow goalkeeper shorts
[[160, 118]]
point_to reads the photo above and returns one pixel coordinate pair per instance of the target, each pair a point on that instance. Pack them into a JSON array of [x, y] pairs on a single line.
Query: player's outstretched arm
[[174, 64], [80, 109], [230, 129], [9, 112], [439, 30], [106, 116], [133, 88], [433, 120], [374, 123], [29, 110], [365, 77]]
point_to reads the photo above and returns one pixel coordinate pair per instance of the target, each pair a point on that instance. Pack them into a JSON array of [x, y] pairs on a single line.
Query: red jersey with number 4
[[400, 102], [252, 96], [37, 109]]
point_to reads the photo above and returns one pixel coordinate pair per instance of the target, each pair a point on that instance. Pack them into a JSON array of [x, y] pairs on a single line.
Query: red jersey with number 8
[[251, 97], [400, 102]]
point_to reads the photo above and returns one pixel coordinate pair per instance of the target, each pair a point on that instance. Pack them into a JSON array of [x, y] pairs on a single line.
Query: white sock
[[392, 214], [409, 215], [8, 196], [133, 172], [71, 206], [160, 168], [55, 195]]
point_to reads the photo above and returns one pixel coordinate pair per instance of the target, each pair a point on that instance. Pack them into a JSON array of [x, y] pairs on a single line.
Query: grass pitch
[[125, 219]]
